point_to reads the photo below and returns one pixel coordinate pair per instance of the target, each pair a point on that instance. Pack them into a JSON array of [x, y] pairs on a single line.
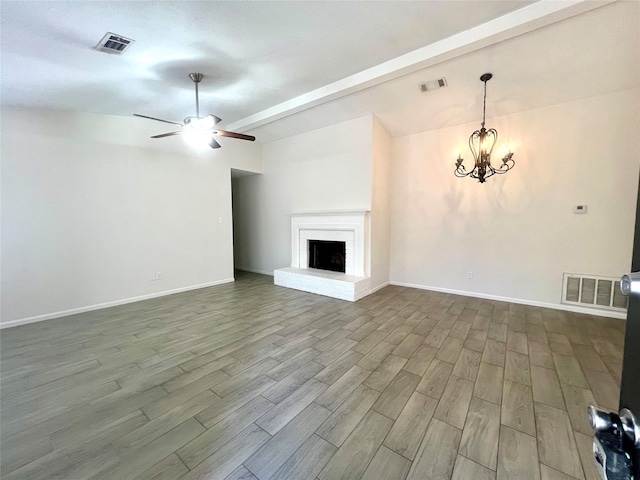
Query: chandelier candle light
[[481, 143]]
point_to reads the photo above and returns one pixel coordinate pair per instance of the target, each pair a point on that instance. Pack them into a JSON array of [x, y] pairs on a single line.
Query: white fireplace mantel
[[309, 213], [349, 226]]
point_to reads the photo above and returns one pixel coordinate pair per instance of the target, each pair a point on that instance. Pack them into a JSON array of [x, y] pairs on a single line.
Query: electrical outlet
[[156, 276], [469, 275], [219, 219]]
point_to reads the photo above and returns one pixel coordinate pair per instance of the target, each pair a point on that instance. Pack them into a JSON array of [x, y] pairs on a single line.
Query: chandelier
[[481, 143]]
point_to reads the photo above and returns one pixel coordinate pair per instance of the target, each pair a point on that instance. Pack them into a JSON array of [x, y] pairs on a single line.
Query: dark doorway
[[326, 255], [630, 385]]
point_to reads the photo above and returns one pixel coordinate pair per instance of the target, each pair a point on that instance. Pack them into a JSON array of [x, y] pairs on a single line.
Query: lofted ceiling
[[273, 69]]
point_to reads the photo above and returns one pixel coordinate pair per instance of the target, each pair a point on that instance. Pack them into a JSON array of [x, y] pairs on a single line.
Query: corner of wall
[[380, 204]]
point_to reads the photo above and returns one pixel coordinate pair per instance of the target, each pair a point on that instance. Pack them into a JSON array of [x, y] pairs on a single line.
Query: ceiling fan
[[202, 129]]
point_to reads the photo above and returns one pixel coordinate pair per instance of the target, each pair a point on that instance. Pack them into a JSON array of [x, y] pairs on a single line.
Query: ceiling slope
[[274, 69]]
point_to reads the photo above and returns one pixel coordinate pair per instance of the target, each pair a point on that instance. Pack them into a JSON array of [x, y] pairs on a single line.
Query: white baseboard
[[379, 287], [253, 270], [556, 306], [533, 303], [99, 306]]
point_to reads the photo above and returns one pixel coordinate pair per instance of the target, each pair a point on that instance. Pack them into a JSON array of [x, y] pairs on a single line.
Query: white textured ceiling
[[278, 68]]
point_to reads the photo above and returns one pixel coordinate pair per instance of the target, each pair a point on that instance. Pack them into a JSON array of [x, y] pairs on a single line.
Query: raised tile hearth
[[323, 282]]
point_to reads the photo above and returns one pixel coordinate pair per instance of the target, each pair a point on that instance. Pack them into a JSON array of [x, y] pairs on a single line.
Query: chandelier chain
[[484, 103]]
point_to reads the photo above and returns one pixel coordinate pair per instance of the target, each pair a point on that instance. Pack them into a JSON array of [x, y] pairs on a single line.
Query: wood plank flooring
[[248, 380]]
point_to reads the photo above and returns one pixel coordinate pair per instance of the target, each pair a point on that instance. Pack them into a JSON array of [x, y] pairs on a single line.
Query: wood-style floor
[[248, 380]]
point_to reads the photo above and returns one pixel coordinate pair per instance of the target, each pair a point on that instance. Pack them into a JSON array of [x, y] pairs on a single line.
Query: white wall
[[517, 233], [380, 205], [91, 208], [325, 169]]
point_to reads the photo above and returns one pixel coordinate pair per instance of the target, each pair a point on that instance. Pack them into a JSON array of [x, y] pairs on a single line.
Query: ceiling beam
[[518, 22]]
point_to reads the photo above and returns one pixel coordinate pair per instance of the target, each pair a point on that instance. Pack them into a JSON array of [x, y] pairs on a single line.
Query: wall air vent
[[432, 85], [593, 291], [113, 43]]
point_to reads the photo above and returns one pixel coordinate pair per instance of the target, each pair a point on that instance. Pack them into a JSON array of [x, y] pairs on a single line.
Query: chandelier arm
[[509, 163], [501, 170], [490, 173], [486, 177], [459, 173]]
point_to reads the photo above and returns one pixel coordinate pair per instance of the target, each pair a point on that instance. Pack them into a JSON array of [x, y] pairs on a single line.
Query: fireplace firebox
[[327, 255]]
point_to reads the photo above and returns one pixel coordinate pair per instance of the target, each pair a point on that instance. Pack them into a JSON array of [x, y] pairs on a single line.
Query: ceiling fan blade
[[168, 134], [213, 144], [241, 136], [216, 119], [157, 119]]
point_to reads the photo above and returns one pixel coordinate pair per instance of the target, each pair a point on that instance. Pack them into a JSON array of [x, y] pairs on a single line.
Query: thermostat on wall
[[580, 209]]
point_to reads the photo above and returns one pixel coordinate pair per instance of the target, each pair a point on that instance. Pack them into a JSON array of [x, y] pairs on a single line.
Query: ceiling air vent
[[432, 85], [113, 43]]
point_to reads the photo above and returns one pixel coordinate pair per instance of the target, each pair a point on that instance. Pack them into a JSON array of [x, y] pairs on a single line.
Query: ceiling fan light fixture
[[199, 130], [207, 122], [197, 137]]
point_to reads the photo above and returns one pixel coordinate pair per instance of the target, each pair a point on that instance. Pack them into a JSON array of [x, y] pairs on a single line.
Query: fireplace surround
[[350, 227]]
